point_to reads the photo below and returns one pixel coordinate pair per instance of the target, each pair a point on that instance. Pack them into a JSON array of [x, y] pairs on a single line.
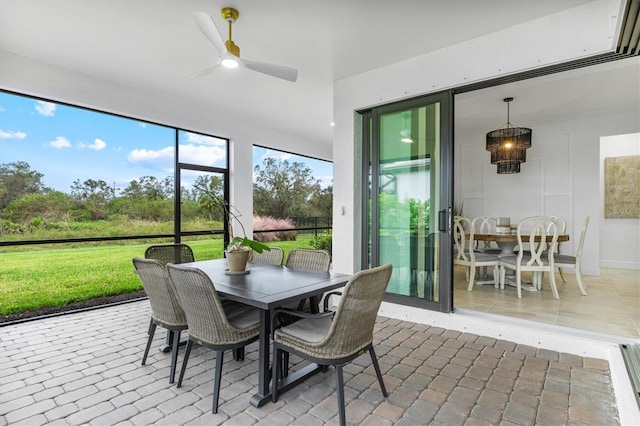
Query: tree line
[[282, 189]]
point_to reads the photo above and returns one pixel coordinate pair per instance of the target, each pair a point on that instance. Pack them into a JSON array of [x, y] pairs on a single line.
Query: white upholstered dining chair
[[540, 234], [563, 260], [465, 255], [485, 225]]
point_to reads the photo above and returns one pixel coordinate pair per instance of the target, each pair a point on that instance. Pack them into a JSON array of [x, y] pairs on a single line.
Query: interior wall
[[619, 238], [560, 177]]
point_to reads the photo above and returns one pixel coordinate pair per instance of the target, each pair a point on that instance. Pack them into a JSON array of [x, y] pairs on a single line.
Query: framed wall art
[[622, 187]]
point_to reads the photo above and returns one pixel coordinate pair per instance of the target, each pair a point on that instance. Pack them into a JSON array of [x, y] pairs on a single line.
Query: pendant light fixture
[[508, 145]]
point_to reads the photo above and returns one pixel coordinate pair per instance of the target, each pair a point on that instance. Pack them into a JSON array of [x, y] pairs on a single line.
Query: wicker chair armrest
[[325, 302], [295, 313]]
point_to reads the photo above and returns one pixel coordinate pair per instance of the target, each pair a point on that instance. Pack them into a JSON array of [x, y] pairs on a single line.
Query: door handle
[[442, 221]]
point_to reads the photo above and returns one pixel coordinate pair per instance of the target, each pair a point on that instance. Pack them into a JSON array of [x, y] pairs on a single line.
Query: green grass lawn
[[55, 277]]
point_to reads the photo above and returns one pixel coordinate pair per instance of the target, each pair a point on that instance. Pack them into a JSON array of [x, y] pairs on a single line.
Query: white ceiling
[[152, 45]]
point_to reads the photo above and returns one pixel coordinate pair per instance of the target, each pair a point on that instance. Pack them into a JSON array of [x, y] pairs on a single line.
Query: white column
[[241, 183]]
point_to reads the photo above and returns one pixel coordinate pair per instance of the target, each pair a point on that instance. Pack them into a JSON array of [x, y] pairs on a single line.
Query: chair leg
[[472, 277], [277, 353], [496, 276], [564, 280], [374, 361], [187, 352], [217, 380], [238, 354], [583, 288], [519, 283], [340, 395], [552, 281], [174, 355], [285, 364], [151, 332], [150, 325]]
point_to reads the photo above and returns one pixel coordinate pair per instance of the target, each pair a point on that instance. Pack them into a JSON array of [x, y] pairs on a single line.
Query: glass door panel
[[406, 169], [408, 197]]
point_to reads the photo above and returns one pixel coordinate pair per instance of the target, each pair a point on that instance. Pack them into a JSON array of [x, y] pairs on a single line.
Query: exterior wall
[[571, 34], [582, 31]]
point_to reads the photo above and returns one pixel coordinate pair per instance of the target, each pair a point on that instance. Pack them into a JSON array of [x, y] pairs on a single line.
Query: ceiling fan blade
[[208, 27], [203, 71], [278, 71]]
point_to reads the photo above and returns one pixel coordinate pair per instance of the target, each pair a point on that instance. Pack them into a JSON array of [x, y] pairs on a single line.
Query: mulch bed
[[83, 305]]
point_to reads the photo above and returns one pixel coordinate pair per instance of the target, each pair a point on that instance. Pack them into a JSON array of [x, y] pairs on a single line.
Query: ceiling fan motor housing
[[231, 15]]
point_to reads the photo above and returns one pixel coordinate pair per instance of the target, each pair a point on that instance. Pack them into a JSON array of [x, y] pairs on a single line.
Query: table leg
[[264, 368]]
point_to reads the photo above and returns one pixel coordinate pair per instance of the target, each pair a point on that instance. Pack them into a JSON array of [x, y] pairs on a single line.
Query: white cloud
[[199, 154], [60, 142], [97, 144], [150, 156], [47, 109], [279, 155], [205, 140], [10, 134]]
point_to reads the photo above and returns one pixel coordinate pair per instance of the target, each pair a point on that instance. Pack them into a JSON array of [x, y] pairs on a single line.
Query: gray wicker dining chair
[[268, 257], [335, 338], [309, 260], [211, 324], [170, 253], [166, 310]]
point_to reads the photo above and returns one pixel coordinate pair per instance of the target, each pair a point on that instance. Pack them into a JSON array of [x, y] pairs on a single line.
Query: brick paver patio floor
[[84, 368]]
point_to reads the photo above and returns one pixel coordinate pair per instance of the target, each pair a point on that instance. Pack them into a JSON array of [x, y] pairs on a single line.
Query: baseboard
[[617, 264]]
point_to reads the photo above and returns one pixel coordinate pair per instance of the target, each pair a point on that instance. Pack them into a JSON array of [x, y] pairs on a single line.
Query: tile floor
[[612, 306]]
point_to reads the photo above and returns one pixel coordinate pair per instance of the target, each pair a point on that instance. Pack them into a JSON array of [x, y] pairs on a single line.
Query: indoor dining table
[[268, 287], [508, 242]]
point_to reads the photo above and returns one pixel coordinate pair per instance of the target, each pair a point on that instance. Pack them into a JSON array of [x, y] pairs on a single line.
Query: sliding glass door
[[409, 169]]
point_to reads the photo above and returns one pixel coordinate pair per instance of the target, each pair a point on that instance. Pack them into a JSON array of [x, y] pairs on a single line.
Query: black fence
[[304, 225]]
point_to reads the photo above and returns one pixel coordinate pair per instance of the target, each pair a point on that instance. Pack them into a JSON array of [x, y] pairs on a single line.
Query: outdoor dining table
[[268, 287]]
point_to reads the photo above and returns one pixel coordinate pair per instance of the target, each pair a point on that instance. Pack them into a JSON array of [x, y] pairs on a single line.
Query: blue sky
[[66, 143]]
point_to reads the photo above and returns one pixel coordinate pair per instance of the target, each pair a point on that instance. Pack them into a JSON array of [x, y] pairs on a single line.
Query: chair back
[[165, 304], [561, 224], [582, 236], [170, 253], [355, 316], [308, 259], [534, 232], [207, 319], [484, 225], [463, 240], [271, 257]]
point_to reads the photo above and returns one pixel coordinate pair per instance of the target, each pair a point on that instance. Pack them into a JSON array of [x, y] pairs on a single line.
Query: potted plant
[[239, 248]]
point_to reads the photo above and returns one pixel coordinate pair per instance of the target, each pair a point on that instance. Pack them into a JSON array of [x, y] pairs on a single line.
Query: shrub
[[270, 223], [322, 242]]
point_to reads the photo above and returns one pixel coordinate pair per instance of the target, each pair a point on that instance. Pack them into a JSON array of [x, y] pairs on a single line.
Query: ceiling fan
[[229, 52]]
